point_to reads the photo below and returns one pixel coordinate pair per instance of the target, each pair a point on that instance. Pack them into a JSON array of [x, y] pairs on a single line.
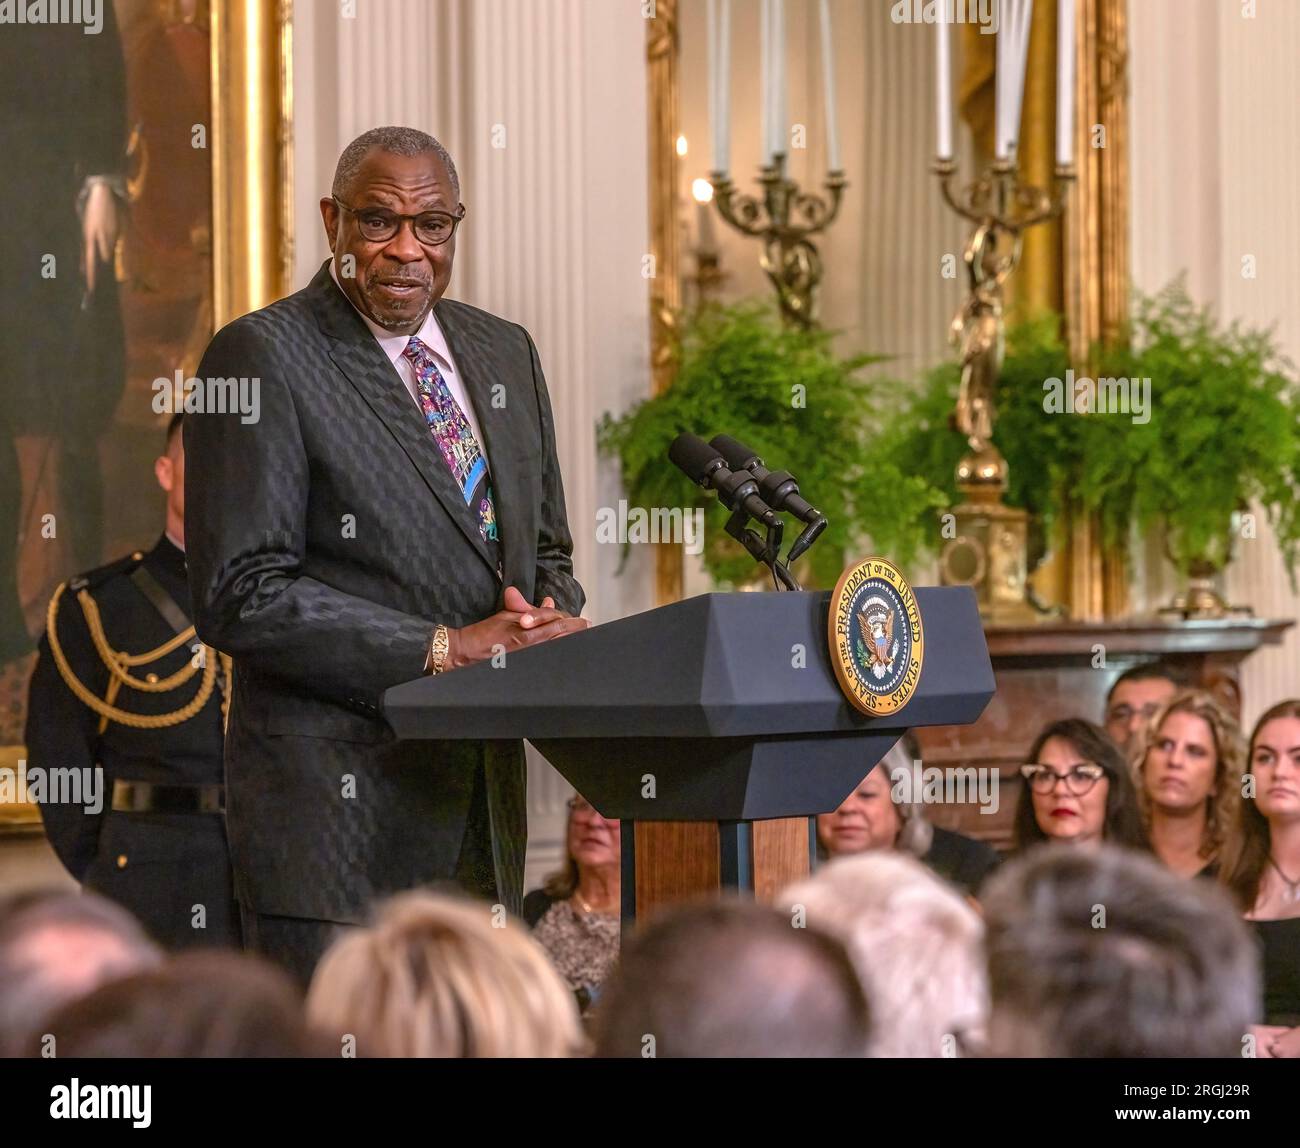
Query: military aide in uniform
[[123, 683]]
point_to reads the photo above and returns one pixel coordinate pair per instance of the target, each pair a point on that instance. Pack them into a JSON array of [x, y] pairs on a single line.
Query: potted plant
[[788, 395], [1221, 429]]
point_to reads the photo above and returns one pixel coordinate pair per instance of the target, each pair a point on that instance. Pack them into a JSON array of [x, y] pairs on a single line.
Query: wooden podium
[[714, 728]]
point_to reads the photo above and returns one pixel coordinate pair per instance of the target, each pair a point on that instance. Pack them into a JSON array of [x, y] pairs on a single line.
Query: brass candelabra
[[784, 217]]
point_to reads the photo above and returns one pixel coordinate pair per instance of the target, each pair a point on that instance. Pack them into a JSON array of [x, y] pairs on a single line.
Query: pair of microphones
[[750, 490]]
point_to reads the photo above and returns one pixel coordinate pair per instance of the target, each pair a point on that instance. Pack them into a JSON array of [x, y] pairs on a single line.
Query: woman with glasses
[[1261, 868], [1188, 778], [575, 914], [1078, 790]]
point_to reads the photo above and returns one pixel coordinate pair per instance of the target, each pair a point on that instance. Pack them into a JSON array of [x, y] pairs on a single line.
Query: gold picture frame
[[250, 140]]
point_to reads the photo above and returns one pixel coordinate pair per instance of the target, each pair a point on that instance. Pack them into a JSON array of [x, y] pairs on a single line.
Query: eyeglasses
[[378, 225], [1126, 713], [580, 807], [1078, 778]]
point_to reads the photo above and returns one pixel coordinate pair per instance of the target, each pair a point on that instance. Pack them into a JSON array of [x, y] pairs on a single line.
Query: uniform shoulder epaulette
[[101, 574], [121, 663]]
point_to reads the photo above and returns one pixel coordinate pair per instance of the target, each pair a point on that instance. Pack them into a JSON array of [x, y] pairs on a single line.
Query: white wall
[[1215, 108], [557, 222]]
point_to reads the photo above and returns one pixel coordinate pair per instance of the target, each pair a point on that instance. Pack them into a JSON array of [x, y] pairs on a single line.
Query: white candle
[[1064, 82], [943, 69], [724, 87], [828, 82], [715, 133], [1014, 19], [706, 242], [781, 128], [765, 54]]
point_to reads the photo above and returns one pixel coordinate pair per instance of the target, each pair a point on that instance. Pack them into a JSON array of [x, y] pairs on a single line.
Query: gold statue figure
[[978, 328]]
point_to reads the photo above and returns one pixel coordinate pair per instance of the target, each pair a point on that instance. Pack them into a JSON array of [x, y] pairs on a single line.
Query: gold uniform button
[[121, 860], [136, 556]]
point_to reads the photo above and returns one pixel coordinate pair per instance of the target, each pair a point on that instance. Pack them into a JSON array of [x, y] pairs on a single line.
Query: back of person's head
[[441, 976], [56, 946], [732, 979], [917, 945], [200, 1004], [1106, 953]]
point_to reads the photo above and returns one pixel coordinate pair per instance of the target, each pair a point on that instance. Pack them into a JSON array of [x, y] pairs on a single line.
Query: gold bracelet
[[439, 646]]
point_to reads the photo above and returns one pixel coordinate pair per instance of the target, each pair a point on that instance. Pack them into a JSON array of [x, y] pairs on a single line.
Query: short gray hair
[[1107, 953], [394, 141]]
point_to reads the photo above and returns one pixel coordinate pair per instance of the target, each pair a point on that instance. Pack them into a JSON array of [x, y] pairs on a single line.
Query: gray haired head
[[394, 141], [1106, 953]]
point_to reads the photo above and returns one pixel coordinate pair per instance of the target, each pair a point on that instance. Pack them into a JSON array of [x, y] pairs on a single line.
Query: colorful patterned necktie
[[456, 441]]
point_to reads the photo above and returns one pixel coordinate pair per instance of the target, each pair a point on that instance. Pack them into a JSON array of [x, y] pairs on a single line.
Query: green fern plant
[[1223, 430], [787, 394]]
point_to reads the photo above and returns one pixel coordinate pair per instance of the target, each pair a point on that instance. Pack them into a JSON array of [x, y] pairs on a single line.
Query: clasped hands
[[517, 625]]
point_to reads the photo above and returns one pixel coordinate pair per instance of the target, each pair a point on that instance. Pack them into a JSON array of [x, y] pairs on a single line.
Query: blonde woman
[[440, 976], [1188, 778]]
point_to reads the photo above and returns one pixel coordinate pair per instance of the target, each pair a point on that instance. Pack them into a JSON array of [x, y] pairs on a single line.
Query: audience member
[[732, 979], [917, 945], [1105, 953], [56, 946], [1078, 790], [575, 914], [871, 818], [1261, 867], [1189, 782], [441, 976], [199, 1004], [1134, 699]]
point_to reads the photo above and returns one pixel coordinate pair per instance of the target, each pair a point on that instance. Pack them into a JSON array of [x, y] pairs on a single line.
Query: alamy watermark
[[623, 525], [983, 13], [241, 396], [23, 785], [89, 13], [955, 785], [1105, 396]]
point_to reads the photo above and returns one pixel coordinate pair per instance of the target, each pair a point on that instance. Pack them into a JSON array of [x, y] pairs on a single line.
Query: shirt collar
[[430, 333]]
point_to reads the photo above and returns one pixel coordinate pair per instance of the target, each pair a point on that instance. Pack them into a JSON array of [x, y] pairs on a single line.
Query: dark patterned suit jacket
[[325, 541]]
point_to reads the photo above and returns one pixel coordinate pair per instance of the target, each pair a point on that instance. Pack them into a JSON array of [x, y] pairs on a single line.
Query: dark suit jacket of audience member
[[962, 860], [325, 542]]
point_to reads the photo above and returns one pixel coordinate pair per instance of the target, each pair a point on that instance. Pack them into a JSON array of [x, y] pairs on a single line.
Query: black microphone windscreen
[[693, 456], [737, 454]]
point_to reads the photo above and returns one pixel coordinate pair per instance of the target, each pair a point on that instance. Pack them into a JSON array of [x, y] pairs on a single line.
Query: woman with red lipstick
[[1078, 790], [1189, 782], [1261, 868]]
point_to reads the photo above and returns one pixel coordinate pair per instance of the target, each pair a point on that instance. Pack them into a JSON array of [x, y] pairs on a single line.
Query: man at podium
[[396, 508]]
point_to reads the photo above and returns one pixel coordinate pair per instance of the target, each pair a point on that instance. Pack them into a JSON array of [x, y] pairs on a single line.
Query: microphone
[[778, 488], [736, 488]]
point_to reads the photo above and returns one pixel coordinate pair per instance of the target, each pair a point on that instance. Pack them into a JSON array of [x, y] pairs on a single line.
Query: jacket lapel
[[355, 352]]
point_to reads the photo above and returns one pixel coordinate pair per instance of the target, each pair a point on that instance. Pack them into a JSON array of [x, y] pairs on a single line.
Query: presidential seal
[[876, 642]]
